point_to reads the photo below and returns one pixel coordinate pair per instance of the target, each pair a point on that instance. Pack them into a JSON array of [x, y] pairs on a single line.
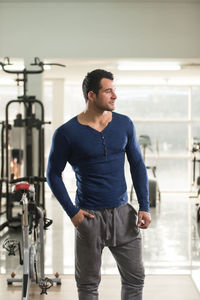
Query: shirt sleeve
[[58, 157], [138, 169]]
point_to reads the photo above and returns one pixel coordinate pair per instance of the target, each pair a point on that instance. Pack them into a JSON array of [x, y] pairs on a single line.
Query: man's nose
[[114, 96]]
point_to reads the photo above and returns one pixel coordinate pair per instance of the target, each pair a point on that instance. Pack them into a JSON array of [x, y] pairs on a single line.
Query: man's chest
[[92, 143]]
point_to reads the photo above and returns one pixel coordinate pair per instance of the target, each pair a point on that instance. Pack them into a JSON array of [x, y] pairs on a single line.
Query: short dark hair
[[92, 80]]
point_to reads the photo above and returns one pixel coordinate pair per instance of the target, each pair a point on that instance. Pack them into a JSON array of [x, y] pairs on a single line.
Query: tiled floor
[[171, 245], [157, 287]]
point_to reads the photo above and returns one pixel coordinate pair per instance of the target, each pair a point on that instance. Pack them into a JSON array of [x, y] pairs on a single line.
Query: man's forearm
[[59, 190]]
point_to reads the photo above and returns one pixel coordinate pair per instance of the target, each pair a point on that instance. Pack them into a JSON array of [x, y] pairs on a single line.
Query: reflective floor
[[175, 287], [171, 245]]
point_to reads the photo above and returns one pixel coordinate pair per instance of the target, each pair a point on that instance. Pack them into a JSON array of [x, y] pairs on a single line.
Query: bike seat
[[22, 186]]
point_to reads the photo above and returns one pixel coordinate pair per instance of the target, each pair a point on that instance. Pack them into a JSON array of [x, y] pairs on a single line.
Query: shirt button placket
[[104, 145]]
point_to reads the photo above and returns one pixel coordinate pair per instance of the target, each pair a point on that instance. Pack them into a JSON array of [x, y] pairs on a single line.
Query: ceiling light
[[145, 81], [148, 66], [141, 81]]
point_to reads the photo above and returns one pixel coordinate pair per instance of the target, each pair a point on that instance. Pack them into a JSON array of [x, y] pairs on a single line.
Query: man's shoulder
[[67, 126], [121, 117]]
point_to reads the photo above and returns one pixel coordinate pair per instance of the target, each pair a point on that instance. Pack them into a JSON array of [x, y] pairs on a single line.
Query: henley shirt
[[97, 159]]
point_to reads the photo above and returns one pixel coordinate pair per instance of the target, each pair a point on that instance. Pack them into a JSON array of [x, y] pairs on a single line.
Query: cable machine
[[22, 143]]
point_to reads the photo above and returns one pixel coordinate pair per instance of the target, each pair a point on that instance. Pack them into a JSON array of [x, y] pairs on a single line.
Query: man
[[95, 143]]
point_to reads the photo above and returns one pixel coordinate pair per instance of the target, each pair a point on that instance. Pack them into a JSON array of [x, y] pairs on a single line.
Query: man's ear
[[91, 96]]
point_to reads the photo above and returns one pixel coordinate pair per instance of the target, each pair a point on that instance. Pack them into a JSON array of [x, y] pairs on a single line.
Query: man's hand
[[79, 217], [144, 219]]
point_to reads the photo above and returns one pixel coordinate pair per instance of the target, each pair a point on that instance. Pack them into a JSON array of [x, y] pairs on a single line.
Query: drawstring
[[114, 226], [107, 225], [112, 234], [109, 214]]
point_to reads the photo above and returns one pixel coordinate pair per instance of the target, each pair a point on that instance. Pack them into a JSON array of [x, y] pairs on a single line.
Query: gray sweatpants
[[117, 229]]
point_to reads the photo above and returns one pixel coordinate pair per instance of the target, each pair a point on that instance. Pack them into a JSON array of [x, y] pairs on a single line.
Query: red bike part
[[22, 186]]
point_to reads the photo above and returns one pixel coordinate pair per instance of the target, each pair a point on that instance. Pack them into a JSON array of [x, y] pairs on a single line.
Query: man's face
[[105, 99]]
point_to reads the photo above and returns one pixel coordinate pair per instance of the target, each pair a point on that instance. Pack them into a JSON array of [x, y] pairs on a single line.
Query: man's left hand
[[144, 219]]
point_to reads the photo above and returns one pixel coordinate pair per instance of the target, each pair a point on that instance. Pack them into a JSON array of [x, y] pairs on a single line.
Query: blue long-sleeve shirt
[[97, 159]]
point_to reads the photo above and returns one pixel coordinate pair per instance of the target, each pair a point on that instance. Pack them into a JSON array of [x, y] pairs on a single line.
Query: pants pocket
[[132, 208], [82, 223]]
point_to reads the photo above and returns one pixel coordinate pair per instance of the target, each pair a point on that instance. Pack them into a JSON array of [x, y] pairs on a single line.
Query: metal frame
[[31, 247], [29, 122]]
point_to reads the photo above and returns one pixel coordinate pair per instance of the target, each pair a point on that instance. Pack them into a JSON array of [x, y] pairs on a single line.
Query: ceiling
[[108, 1]]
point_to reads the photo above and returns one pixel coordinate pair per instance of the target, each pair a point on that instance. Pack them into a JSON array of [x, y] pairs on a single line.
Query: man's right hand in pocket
[[79, 217]]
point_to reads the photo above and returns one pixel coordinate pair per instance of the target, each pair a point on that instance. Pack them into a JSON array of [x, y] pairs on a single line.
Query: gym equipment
[[196, 173], [196, 159], [154, 191], [31, 254], [22, 143]]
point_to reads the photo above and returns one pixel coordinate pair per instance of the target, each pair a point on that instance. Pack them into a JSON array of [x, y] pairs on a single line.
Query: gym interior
[[153, 50]]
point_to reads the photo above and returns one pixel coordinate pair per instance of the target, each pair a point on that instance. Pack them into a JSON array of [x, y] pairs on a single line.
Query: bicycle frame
[[29, 249], [33, 224]]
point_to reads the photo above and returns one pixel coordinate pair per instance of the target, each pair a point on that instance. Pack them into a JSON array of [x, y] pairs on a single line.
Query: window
[[163, 113]]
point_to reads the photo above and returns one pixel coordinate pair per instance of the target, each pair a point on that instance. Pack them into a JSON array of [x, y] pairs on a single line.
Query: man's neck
[[92, 117]]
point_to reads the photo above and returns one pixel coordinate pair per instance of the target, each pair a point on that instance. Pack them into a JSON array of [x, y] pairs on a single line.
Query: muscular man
[[95, 143]]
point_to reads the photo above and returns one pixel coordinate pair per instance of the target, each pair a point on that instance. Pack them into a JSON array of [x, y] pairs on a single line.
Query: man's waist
[[104, 208], [95, 201]]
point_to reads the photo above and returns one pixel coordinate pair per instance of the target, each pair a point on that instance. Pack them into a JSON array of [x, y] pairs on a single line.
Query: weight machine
[[22, 182], [22, 143]]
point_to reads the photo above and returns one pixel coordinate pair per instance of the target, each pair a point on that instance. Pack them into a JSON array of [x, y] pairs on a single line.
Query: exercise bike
[[33, 224]]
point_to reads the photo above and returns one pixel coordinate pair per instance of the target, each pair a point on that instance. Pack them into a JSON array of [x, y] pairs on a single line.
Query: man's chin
[[110, 109]]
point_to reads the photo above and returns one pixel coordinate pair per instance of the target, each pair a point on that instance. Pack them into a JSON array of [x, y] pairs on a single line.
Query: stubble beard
[[105, 108]]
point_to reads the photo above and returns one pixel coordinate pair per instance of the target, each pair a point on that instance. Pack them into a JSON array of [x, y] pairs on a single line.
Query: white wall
[[87, 30]]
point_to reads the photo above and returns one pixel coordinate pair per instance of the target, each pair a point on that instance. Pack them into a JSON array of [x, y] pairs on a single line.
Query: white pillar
[[58, 103], [34, 88], [34, 84]]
